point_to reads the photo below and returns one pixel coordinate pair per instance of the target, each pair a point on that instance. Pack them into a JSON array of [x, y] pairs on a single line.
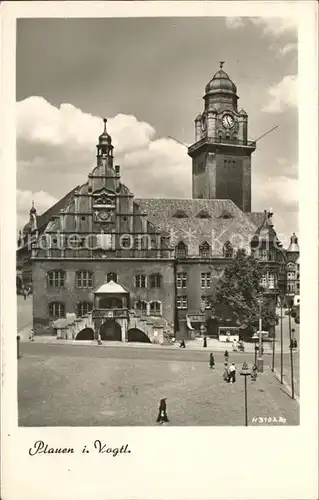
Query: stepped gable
[[193, 230]]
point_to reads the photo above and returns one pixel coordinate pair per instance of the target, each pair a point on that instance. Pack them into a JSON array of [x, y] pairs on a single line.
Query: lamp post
[[245, 372], [281, 342], [273, 351], [290, 302], [255, 338], [260, 360]]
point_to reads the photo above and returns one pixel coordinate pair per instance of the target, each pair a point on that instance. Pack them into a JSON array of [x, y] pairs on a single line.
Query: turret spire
[[221, 64]]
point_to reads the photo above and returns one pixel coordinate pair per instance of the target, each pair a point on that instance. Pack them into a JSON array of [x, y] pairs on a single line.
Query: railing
[[109, 313], [217, 140]]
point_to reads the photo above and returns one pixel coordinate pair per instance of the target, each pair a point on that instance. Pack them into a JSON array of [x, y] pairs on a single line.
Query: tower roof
[[105, 138], [220, 83], [293, 247]]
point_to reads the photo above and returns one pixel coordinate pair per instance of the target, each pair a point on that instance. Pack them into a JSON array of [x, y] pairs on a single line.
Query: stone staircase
[[156, 328]]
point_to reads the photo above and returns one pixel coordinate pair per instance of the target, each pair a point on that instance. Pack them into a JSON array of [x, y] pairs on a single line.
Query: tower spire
[[221, 64]]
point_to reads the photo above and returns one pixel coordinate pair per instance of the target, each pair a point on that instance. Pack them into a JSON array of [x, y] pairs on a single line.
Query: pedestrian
[[254, 373], [211, 360], [31, 336], [182, 344], [25, 293], [232, 373], [226, 356], [226, 372], [162, 415], [205, 342]]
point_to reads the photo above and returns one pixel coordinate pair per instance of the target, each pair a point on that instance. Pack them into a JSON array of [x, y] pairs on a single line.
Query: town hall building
[[108, 266]]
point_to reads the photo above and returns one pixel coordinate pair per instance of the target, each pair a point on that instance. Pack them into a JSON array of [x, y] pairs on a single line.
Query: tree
[[236, 299]]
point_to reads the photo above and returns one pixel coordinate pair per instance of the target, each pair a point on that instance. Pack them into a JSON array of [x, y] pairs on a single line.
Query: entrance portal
[[110, 330], [136, 335], [85, 334]]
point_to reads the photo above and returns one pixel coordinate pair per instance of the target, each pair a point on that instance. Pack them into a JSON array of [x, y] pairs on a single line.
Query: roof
[[257, 218], [43, 219], [111, 287], [224, 222]]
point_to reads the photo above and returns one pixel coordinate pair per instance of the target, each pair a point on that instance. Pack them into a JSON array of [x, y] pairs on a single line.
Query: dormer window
[[180, 214], [181, 250], [203, 215], [225, 215], [228, 250], [204, 250]]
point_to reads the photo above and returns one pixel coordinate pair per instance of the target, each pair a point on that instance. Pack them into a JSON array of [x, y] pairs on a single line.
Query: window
[[263, 254], [56, 278], [268, 280], [141, 306], [155, 280], [84, 279], [181, 250], [290, 275], [180, 214], [83, 308], [228, 250], [155, 308], [291, 287], [203, 215], [140, 281], [204, 249], [205, 280], [181, 302], [111, 277], [181, 280], [204, 302], [56, 310], [271, 280]]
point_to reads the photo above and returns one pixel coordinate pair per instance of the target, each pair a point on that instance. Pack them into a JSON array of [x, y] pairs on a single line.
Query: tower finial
[[221, 64], [104, 120]]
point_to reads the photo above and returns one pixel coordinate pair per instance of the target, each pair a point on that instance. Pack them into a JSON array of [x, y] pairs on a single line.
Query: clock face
[[228, 121], [104, 216], [204, 123]]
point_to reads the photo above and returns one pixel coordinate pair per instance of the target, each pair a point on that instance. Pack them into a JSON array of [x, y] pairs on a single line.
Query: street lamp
[[260, 360], [245, 372], [290, 303], [282, 290], [255, 338]]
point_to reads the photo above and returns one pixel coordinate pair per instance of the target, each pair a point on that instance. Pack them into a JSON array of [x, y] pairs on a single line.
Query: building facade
[[156, 261]]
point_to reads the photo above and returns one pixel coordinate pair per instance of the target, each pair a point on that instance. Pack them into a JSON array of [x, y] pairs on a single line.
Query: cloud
[[42, 201], [269, 25], [290, 47], [56, 146], [282, 95]]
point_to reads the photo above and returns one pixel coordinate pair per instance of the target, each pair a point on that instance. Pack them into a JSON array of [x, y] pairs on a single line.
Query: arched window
[[111, 277], [56, 310], [140, 281], [56, 279], [141, 306], [155, 280], [156, 308], [204, 249], [228, 250], [84, 279], [83, 308], [181, 250]]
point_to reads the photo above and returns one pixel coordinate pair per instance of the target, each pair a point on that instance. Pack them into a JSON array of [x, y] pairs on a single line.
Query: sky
[[147, 76]]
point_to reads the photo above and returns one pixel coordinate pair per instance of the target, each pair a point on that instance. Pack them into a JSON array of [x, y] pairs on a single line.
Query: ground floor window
[[155, 308], [56, 310], [83, 308]]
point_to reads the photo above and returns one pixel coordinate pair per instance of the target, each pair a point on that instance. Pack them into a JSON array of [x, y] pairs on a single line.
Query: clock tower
[[221, 153]]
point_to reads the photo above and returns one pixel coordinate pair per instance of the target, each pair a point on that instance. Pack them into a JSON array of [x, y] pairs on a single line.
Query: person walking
[[25, 293], [182, 344], [232, 373], [162, 414], [205, 342], [211, 360], [31, 336], [226, 356], [226, 373]]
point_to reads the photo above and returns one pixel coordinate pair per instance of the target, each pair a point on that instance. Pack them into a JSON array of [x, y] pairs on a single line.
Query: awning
[[189, 326]]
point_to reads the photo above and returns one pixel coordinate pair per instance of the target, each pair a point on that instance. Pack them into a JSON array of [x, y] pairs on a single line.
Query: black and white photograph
[[157, 208], [159, 215]]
